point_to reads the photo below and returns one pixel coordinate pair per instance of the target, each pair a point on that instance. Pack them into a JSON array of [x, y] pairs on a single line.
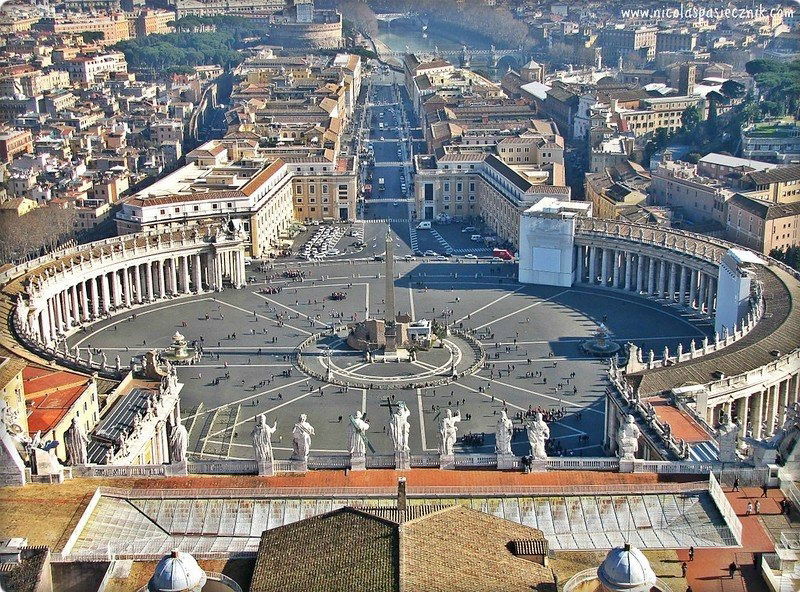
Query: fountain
[[179, 351], [600, 344]]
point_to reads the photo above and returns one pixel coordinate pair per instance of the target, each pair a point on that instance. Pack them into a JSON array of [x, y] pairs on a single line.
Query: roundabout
[[329, 358]]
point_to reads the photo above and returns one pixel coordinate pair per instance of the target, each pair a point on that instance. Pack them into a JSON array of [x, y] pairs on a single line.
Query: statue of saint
[[628, 438], [538, 434], [447, 432], [358, 435], [301, 435], [399, 427], [504, 431], [76, 441], [262, 439], [178, 442]]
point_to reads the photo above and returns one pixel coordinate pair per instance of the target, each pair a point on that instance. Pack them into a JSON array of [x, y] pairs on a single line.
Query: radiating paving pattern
[[156, 526]]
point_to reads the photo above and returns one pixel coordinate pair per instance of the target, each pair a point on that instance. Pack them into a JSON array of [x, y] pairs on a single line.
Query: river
[[403, 39]]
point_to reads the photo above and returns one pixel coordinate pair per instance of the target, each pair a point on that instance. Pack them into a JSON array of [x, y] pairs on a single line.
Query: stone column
[[580, 266], [162, 287], [242, 269], [198, 284], [46, 330], [604, 262], [682, 288], [57, 318], [616, 262], [783, 390], [741, 413], [137, 283], [187, 289], [639, 273], [85, 314], [76, 314], [126, 286], [662, 279], [95, 289], [173, 275], [628, 270], [772, 409], [671, 285], [592, 265], [115, 288], [148, 278], [711, 293], [105, 292], [651, 276], [757, 414], [693, 289]]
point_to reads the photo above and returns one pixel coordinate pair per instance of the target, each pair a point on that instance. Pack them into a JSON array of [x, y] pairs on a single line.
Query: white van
[[475, 237], [424, 225]]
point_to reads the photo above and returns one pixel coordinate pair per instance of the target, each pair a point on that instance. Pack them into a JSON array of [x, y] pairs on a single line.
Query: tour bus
[[381, 185], [503, 254]]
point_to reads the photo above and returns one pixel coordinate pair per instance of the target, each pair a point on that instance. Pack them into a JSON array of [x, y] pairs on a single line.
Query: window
[[312, 189], [162, 212], [447, 186], [196, 208], [298, 189], [325, 188]]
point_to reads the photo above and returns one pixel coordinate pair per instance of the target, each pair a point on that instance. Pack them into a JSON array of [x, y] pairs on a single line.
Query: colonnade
[[74, 297], [759, 413], [641, 273]]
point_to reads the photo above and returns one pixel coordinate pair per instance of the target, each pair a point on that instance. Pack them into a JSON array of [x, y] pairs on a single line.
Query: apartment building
[[776, 185], [114, 27], [464, 184], [238, 7], [615, 189], [762, 225], [775, 141], [87, 69], [14, 142], [620, 40], [676, 40]]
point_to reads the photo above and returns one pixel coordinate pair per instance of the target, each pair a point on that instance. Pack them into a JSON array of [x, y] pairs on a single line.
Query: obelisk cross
[[391, 313]]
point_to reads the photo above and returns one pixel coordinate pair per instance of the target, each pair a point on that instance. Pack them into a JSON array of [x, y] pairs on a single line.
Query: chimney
[[401, 494]]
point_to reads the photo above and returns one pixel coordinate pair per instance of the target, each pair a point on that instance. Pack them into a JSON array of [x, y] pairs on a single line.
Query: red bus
[[503, 254]]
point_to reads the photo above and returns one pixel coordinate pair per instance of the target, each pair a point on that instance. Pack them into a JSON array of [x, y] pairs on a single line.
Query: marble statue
[[504, 431], [178, 442], [399, 427], [447, 432], [538, 434], [358, 435], [301, 435], [727, 438], [262, 439], [76, 441], [628, 438]]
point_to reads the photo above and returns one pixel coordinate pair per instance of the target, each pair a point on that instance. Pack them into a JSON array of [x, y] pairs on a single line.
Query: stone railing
[[422, 461], [787, 363], [725, 508], [223, 467], [380, 461], [120, 471], [706, 347], [557, 463]]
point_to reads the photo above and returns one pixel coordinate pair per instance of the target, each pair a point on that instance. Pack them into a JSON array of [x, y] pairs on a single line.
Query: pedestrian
[[689, 589], [758, 506], [736, 483], [732, 569], [764, 490], [684, 567], [749, 509], [691, 553]]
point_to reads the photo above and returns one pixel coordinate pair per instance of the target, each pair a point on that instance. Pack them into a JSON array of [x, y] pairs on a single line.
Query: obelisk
[[390, 317]]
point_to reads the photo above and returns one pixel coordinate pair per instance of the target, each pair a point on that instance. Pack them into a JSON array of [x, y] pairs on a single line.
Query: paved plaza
[[247, 367]]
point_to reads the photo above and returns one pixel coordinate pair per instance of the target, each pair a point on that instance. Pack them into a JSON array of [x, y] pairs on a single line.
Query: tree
[[732, 89], [690, 119]]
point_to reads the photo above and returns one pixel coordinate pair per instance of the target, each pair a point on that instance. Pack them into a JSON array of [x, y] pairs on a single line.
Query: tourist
[[736, 483], [764, 488], [691, 553], [749, 509], [758, 506], [684, 567], [732, 569]]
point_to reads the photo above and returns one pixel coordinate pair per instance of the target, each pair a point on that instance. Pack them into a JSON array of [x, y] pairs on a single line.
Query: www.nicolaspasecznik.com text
[[708, 13]]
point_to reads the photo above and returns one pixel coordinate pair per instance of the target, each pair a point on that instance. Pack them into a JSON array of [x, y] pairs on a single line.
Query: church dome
[[626, 569], [177, 572]]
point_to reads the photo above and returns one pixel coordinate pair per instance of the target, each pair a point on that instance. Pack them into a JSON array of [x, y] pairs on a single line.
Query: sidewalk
[[709, 570]]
